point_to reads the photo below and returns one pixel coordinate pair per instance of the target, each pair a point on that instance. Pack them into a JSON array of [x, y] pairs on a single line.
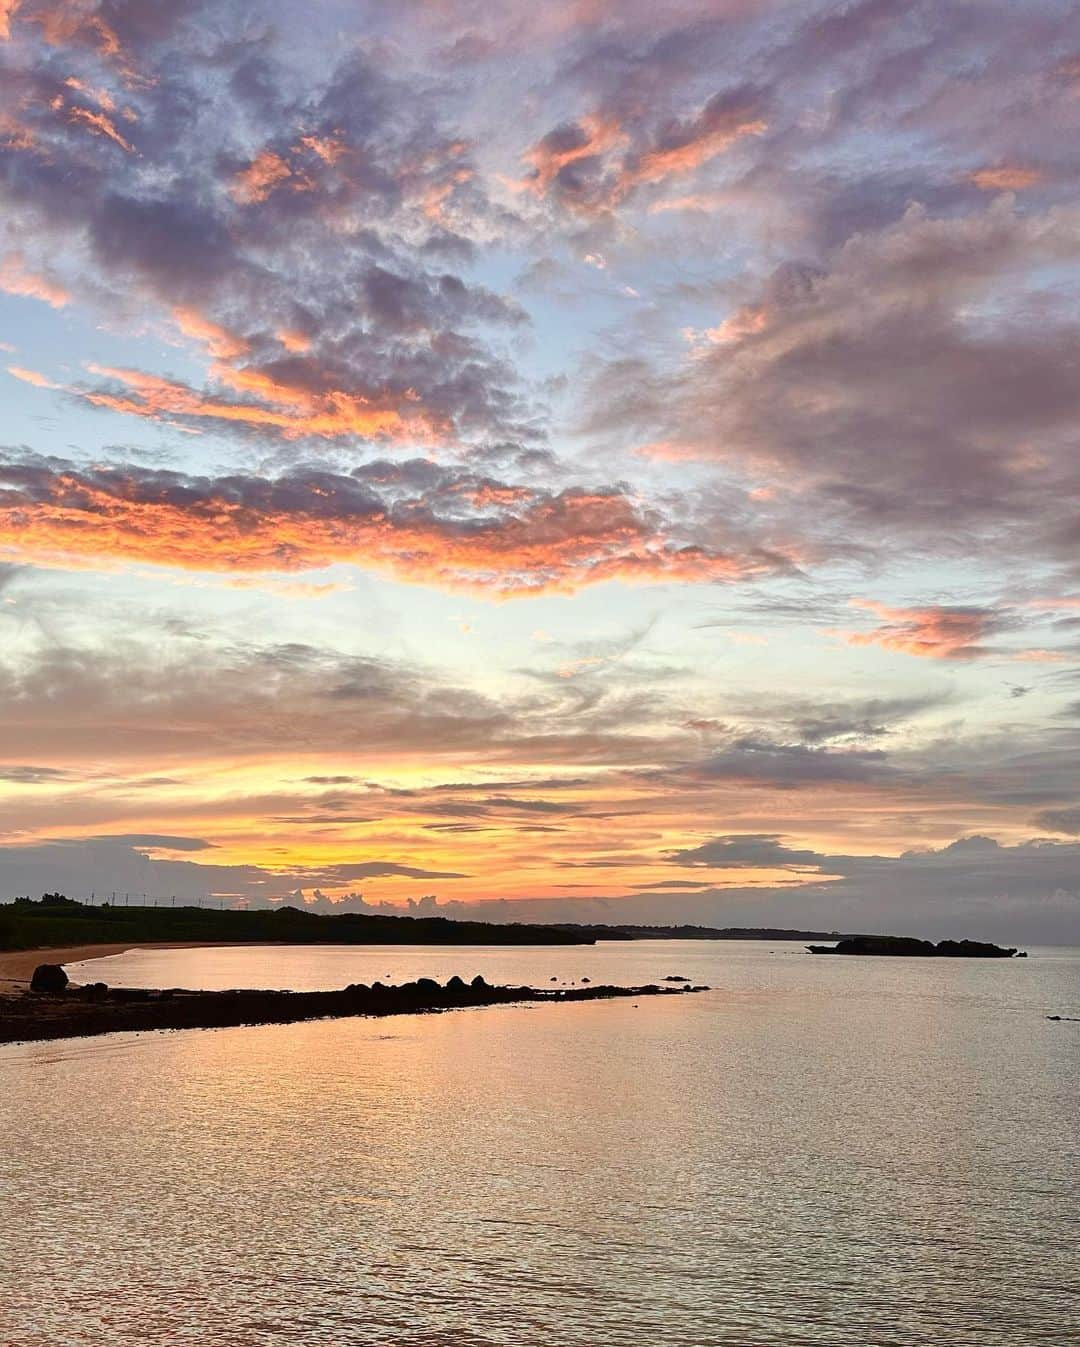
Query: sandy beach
[[17, 965]]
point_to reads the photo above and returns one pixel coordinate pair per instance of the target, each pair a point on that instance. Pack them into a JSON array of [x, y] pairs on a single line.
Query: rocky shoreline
[[55, 1009]]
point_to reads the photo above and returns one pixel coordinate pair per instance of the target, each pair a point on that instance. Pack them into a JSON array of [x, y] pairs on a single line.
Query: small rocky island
[[54, 1008], [909, 947]]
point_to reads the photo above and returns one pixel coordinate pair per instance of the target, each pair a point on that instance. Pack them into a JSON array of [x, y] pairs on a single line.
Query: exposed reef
[[908, 946], [77, 1012]]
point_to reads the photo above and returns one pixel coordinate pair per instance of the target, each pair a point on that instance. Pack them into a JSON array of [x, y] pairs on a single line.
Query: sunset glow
[[662, 492]]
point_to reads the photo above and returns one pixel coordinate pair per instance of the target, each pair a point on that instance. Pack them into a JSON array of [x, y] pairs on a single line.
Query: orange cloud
[[680, 148], [30, 376], [266, 172], [8, 10], [66, 22], [14, 134], [17, 279], [929, 633], [294, 341], [595, 135], [101, 97], [1005, 178], [219, 341], [101, 125], [327, 148], [698, 148], [295, 412], [743, 323], [548, 544]]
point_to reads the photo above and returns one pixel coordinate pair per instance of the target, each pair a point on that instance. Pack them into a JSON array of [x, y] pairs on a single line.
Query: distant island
[[622, 932], [908, 946]]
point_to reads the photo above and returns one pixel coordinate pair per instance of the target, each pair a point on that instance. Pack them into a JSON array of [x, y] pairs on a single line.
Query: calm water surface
[[819, 1151]]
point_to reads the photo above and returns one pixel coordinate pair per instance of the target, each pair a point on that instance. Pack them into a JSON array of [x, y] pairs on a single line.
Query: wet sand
[[17, 965]]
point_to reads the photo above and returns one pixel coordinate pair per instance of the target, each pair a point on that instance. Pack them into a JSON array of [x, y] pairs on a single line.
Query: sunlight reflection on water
[[820, 1151]]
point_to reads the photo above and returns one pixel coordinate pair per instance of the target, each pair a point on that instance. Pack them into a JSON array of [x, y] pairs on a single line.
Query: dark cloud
[[154, 842], [789, 766], [1060, 820], [34, 776], [885, 350], [758, 850], [973, 887], [102, 865]]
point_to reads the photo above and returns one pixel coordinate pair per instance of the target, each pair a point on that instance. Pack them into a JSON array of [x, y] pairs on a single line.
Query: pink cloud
[[931, 632], [18, 279]]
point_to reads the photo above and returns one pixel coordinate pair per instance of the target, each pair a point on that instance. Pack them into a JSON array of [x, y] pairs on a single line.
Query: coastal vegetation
[[56, 921]]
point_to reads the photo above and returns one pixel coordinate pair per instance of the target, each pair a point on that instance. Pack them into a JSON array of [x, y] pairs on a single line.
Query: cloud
[[80, 867], [682, 146], [1005, 178], [455, 529], [308, 259], [593, 164], [218, 340], [155, 700], [33, 776], [265, 172], [16, 278], [902, 393], [273, 406], [749, 851], [936, 632], [336, 243], [973, 887], [100, 124], [929, 633], [31, 376], [154, 842], [8, 11], [1060, 820], [791, 765]]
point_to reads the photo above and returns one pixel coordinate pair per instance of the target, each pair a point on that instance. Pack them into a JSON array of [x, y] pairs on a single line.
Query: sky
[[585, 461]]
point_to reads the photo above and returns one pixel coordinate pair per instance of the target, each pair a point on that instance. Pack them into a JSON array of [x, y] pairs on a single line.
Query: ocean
[[851, 1151]]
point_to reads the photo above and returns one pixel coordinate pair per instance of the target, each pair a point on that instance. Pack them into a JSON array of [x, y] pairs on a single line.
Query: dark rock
[[586, 979], [908, 947], [426, 985], [49, 979], [456, 985], [972, 949], [125, 1009], [478, 983], [676, 977]]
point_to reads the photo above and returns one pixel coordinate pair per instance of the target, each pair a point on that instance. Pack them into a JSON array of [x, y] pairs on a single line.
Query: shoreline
[[17, 965]]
